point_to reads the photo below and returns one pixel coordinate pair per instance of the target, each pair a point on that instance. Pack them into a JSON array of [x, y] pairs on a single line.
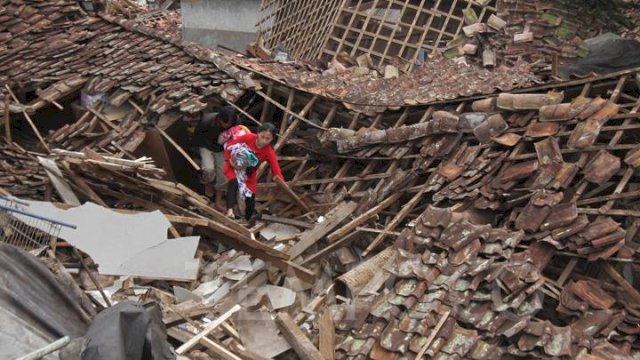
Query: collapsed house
[[450, 209]]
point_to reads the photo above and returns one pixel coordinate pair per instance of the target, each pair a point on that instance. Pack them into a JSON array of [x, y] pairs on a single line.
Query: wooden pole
[[178, 147], [46, 350], [28, 118], [628, 288], [296, 338], [370, 214], [433, 334], [93, 279], [396, 221], [7, 120], [214, 325], [283, 185]]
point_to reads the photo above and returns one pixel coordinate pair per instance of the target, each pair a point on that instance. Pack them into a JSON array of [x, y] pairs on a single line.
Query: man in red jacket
[[260, 145]]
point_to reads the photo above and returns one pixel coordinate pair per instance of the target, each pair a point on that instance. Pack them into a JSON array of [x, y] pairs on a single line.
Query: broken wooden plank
[[179, 313], [82, 184], [327, 250], [283, 108], [396, 220], [331, 181], [296, 122], [207, 330], [296, 338], [219, 217], [332, 219], [368, 215], [176, 219], [204, 341], [327, 336], [266, 107], [292, 222], [218, 349], [61, 185], [258, 250]]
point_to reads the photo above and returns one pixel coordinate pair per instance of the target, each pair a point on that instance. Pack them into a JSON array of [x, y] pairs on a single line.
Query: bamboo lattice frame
[[399, 28], [300, 26], [383, 29]]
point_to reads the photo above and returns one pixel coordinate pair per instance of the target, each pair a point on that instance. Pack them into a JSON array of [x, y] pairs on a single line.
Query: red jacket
[[265, 154]]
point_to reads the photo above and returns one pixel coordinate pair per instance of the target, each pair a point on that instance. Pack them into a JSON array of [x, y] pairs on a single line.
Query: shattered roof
[[438, 79], [552, 166], [54, 48]]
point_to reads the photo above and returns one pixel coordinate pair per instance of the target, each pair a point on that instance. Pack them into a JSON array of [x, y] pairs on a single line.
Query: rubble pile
[[470, 291], [439, 211]]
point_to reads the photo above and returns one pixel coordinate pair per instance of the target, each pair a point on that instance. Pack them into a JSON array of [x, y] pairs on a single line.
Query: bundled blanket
[[232, 133], [243, 160]]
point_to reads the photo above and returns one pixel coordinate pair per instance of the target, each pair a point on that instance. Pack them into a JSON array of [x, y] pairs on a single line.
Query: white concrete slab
[[125, 244]]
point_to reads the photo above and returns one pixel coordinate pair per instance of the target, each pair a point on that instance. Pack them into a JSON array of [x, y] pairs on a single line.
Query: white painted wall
[[226, 22]]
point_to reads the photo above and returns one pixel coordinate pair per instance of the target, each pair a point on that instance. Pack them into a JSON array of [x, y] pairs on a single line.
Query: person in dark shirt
[[205, 139]]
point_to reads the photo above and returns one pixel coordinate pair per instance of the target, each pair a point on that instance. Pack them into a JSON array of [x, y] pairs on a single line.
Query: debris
[[279, 297], [260, 334], [111, 246], [210, 327], [443, 196]]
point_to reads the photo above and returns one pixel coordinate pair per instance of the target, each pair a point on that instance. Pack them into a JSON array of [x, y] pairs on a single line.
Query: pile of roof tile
[[47, 43], [469, 158], [462, 290], [362, 88]]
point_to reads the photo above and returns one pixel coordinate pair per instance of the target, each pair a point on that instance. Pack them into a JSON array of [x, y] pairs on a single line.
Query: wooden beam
[[290, 99], [296, 122], [330, 181], [630, 290], [7, 120], [327, 250], [283, 185], [567, 271], [363, 218], [176, 219], [260, 251], [58, 181], [406, 209], [207, 330], [28, 118], [287, 221], [218, 349], [614, 196], [246, 114], [219, 217], [333, 219], [178, 147], [204, 341], [612, 212], [281, 107], [296, 338], [266, 105], [82, 184]]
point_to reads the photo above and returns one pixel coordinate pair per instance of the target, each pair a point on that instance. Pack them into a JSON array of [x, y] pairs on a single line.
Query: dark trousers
[[232, 199]]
